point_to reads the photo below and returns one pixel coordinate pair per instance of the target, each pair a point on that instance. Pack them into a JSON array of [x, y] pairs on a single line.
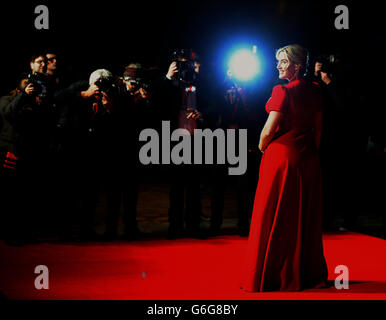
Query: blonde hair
[[298, 55]]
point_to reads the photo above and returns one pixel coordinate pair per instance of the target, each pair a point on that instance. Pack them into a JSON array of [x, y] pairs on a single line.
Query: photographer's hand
[[29, 89], [107, 102], [90, 92], [325, 78], [193, 114], [144, 94], [140, 94], [172, 70]]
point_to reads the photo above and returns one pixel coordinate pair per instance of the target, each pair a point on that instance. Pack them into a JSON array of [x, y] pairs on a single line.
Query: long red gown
[[285, 250]]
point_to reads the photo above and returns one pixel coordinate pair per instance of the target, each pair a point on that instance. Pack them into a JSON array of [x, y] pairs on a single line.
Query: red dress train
[[285, 250]]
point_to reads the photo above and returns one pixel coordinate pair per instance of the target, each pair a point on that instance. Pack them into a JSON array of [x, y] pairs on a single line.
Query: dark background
[[111, 34]]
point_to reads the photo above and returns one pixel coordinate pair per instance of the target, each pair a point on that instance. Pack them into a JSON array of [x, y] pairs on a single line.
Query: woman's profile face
[[285, 66]]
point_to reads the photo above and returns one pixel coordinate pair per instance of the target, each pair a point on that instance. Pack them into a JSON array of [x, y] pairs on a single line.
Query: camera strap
[[9, 161], [95, 107]]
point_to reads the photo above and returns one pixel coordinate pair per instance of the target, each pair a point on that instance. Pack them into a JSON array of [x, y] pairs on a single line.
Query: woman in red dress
[[285, 249]]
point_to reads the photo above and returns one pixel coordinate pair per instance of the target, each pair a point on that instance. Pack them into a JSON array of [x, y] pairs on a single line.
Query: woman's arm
[[269, 129]]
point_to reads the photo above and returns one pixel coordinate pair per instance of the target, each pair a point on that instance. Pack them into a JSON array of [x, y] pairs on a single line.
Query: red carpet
[[179, 269]]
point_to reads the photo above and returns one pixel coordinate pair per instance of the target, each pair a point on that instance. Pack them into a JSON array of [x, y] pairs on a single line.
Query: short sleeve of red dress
[[278, 100]]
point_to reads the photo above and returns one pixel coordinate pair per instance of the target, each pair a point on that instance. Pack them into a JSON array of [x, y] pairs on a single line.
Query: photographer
[[231, 113], [52, 68], [138, 93], [38, 63], [95, 146], [342, 143], [185, 99], [31, 119], [136, 83], [8, 161]]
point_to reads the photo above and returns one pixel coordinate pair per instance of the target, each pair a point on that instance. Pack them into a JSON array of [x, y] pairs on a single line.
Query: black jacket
[[8, 136], [29, 129], [172, 101]]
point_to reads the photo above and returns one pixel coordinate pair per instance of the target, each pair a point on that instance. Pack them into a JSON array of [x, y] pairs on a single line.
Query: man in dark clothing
[[8, 174], [92, 147], [342, 144], [138, 113], [76, 100], [30, 127], [186, 99], [101, 144], [231, 113]]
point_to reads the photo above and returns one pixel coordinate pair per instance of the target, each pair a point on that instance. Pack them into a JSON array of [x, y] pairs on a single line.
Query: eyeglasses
[[51, 59]]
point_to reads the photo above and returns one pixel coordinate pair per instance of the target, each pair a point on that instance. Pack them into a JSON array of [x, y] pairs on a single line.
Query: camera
[[329, 63], [185, 64], [40, 82], [141, 83], [138, 77], [107, 85]]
